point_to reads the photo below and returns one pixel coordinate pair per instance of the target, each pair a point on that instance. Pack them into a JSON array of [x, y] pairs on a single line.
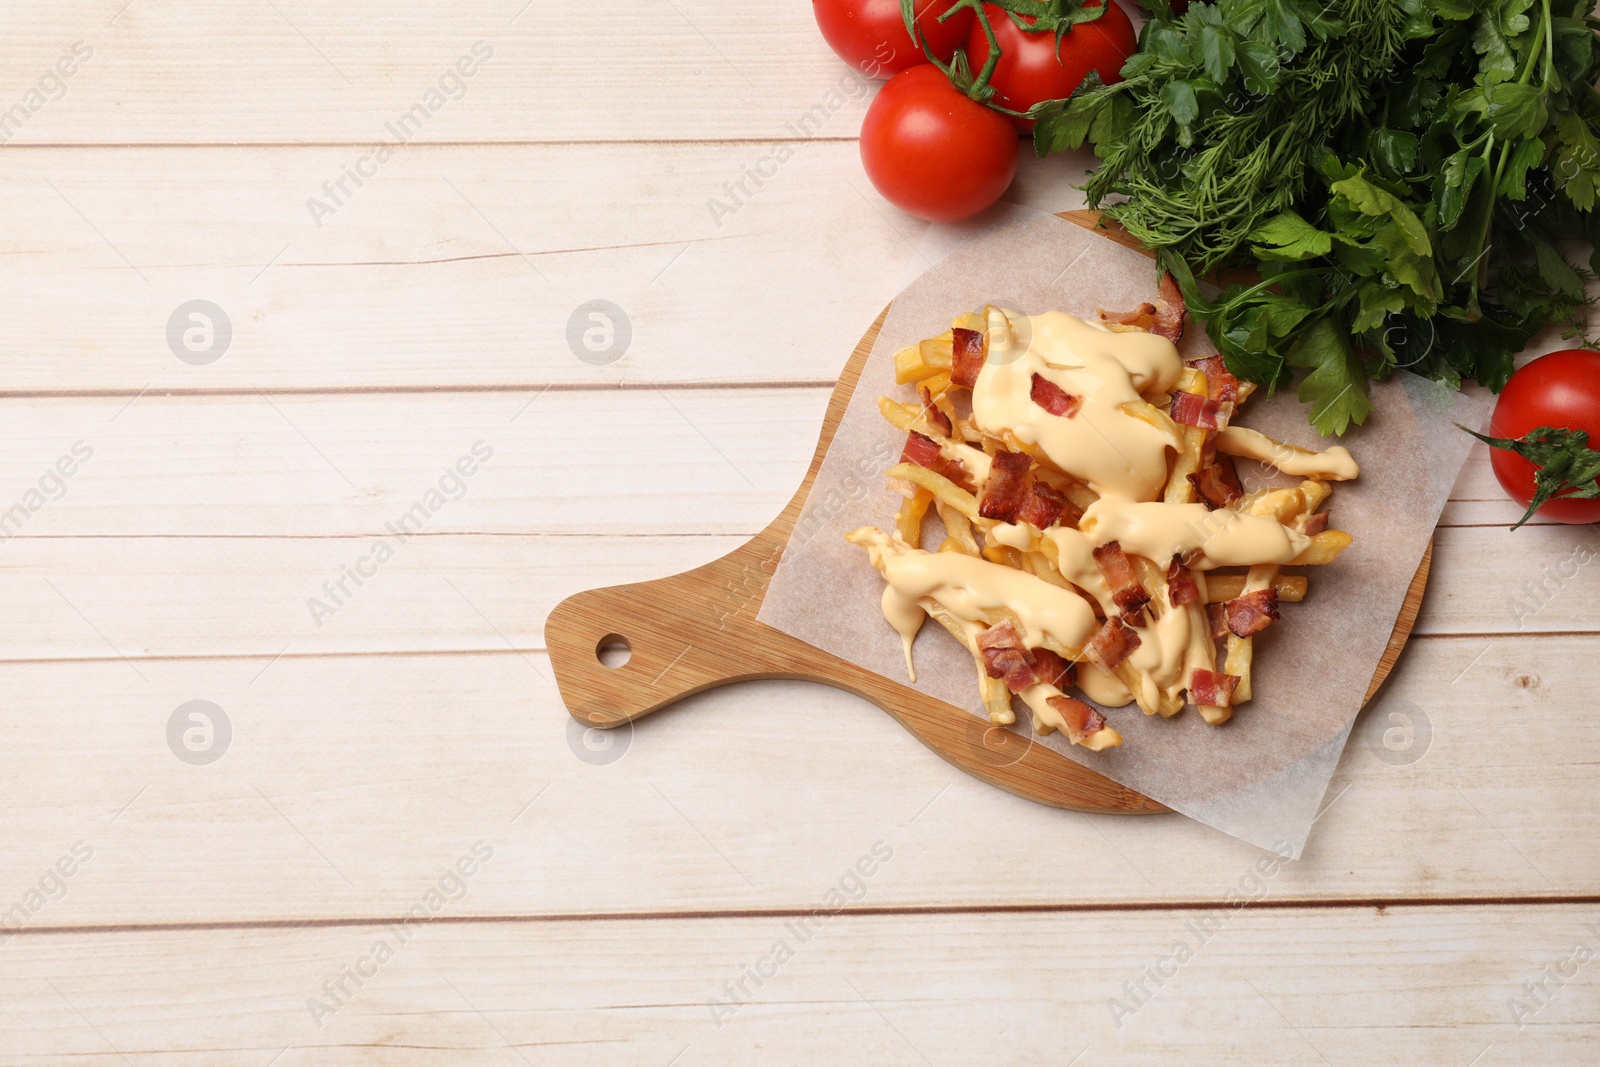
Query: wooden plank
[[454, 266], [1260, 985], [293, 71], [239, 596], [348, 779]]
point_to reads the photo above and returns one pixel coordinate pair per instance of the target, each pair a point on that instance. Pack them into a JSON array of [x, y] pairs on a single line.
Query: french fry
[[915, 362], [1324, 548], [1241, 650], [946, 491], [957, 527], [908, 522], [1222, 587]]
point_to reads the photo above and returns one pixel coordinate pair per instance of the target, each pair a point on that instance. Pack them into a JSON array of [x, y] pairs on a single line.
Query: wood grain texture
[[1262, 986], [698, 630], [381, 769]]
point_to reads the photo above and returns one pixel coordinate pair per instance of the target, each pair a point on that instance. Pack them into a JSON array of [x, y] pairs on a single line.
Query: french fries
[[1148, 616]]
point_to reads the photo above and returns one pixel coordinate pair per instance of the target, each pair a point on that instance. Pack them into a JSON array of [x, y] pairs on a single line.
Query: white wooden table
[[622, 904]]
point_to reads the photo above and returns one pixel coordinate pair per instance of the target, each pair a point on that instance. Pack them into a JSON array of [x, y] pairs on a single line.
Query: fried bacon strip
[[966, 358], [1171, 313], [1218, 619], [1010, 495], [1220, 382], [1053, 398], [1006, 487], [1251, 613], [1081, 719], [1004, 657], [1043, 506], [1125, 588], [924, 452], [1217, 482], [1211, 688], [1112, 644], [1191, 409], [1315, 524], [1181, 587]]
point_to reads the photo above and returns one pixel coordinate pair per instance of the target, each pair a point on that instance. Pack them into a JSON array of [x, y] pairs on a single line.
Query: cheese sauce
[[1114, 452], [1123, 458]]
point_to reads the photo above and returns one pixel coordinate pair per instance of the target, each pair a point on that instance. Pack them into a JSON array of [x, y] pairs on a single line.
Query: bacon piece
[[1139, 316], [1171, 313], [1081, 719], [1218, 482], [924, 452], [1042, 507], [1112, 644], [1181, 587], [1315, 524], [1053, 398], [1218, 618], [1192, 409], [1220, 382], [1251, 613], [1006, 488], [1212, 689], [1005, 658], [966, 357], [1125, 588], [1052, 669], [935, 416]]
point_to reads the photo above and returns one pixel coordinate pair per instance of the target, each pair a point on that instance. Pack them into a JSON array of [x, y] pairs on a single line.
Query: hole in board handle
[[613, 650]]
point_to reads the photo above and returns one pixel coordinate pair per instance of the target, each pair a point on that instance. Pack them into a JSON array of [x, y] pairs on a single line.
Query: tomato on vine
[[933, 151], [1035, 66], [1540, 432], [871, 35]]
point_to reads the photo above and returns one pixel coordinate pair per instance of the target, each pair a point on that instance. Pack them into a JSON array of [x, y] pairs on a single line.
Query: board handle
[[683, 634], [697, 630]]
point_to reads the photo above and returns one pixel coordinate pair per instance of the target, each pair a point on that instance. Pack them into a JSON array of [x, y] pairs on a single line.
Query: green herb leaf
[[1216, 51], [1180, 100], [1287, 236], [1258, 63], [1516, 110], [1336, 388]]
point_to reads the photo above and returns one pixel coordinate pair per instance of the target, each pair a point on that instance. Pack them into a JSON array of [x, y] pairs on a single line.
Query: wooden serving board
[[698, 630]]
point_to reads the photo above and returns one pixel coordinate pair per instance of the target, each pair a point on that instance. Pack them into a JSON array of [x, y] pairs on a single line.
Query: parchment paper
[[1260, 777]]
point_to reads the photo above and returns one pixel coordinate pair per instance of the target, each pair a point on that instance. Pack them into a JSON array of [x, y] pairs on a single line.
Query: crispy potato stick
[[908, 522], [942, 488], [958, 528], [1214, 715], [1241, 650], [1220, 587], [900, 416], [1180, 490], [1143, 409], [1324, 548], [915, 362], [996, 697]]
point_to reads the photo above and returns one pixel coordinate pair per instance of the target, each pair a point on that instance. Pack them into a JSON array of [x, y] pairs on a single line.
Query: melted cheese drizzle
[[1114, 452], [1335, 465], [1123, 458], [969, 588]]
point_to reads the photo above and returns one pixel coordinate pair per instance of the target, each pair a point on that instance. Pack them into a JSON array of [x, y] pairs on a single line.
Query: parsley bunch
[[1398, 172]]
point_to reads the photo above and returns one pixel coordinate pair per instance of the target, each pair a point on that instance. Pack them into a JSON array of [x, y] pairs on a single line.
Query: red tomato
[[1032, 69], [871, 36], [1560, 390], [933, 151]]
